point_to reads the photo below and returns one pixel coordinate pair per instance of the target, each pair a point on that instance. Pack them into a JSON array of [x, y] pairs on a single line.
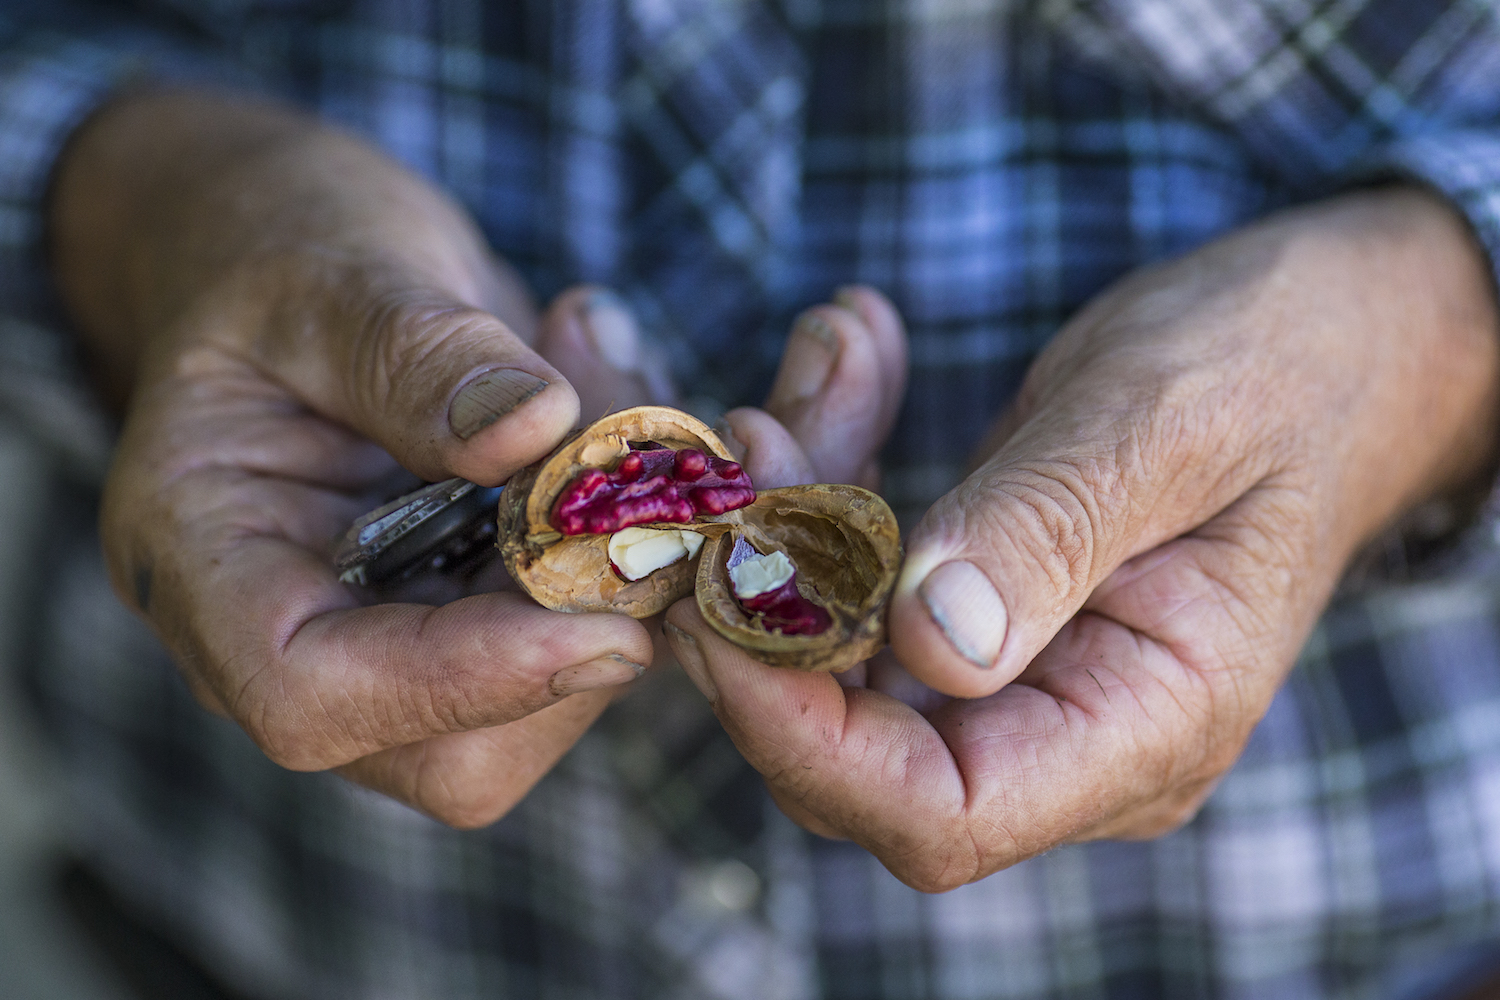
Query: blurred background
[[45, 953]]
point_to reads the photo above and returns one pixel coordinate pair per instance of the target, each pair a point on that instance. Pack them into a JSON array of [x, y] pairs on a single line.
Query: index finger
[[256, 613]]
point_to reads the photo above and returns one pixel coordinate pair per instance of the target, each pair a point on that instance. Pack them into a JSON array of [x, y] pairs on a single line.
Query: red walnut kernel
[[653, 486], [780, 608]]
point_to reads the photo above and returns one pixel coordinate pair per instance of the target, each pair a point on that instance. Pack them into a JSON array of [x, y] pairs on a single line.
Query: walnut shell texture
[[846, 546], [844, 541]]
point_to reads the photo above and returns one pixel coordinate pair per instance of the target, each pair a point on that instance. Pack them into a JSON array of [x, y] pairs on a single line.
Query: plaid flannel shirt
[[725, 163]]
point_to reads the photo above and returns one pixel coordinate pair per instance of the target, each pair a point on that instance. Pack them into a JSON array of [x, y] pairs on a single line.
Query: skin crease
[[1188, 469]]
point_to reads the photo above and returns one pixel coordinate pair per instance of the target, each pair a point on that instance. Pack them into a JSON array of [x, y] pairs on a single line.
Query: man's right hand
[[286, 318], [291, 316]]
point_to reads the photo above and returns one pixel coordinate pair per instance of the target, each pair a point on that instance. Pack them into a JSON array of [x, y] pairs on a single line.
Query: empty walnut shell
[[843, 540], [847, 549]]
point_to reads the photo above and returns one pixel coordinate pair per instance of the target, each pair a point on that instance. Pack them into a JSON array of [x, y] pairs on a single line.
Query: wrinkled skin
[[1189, 468], [283, 316]]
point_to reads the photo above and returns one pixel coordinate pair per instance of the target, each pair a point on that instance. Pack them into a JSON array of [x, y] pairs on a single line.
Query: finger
[[801, 815], [844, 762], [888, 334], [767, 450], [591, 336], [445, 387], [1229, 614], [215, 475], [840, 383], [317, 680], [353, 681], [225, 456], [469, 780], [231, 417], [210, 536], [1103, 718]]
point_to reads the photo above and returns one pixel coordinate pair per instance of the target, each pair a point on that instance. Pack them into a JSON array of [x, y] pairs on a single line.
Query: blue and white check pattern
[[725, 163]]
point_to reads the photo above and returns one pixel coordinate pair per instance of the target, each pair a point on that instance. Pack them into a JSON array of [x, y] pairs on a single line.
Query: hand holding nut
[[301, 316], [1115, 594]]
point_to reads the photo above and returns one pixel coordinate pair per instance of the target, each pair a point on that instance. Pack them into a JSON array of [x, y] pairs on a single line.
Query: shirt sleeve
[[1446, 535], [57, 68]]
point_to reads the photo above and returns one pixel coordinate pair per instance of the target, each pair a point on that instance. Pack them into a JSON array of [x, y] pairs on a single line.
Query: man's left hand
[[1089, 627]]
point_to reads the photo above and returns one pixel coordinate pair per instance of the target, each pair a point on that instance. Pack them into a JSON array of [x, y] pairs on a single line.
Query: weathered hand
[[1115, 594], [471, 778], [292, 316]]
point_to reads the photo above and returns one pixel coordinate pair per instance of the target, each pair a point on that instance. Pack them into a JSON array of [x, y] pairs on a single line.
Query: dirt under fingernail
[[489, 397]]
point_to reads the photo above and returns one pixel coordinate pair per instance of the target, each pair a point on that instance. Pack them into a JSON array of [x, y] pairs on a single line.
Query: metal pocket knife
[[446, 527]]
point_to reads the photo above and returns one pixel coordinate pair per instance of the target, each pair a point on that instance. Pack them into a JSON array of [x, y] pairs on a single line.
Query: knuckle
[[941, 863], [933, 883], [464, 796], [284, 745], [1061, 520], [933, 872], [274, 721], [465, 814]]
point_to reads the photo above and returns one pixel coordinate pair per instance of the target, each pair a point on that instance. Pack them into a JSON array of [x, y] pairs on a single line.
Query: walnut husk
[[843, 540], [572, 573], [846, 546]]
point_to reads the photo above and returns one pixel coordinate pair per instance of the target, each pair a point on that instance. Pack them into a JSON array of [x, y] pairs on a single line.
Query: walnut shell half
[[572, 573], [843, 540], [847, 550]]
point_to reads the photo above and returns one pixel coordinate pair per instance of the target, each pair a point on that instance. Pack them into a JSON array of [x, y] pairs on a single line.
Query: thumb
[[446, 388], [1001, 563]]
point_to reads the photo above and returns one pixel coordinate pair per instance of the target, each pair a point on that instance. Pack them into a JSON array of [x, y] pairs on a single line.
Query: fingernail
[[811, 353], [691, 658], [845, 297], [607, 671], [612, 331], [726, 434], [489, 397], [964, 604]]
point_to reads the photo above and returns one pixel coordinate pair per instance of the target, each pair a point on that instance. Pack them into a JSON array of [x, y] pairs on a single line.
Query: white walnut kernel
[[760, 574], [638, 552]]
